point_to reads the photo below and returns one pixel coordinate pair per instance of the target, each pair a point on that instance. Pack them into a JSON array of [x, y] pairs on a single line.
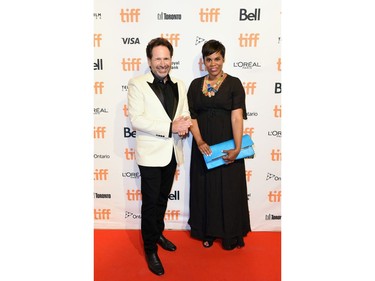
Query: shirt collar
[[157, 80]]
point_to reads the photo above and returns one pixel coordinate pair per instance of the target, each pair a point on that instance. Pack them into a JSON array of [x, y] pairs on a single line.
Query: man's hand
[[181, 125]]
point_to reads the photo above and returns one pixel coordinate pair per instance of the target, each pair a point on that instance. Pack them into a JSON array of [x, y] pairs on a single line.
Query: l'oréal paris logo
[[246, 64], [98, 110]]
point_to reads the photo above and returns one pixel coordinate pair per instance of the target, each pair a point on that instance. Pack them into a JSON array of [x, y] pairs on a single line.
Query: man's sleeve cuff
[[170, 130]]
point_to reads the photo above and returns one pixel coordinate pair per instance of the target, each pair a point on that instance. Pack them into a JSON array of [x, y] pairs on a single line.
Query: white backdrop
[[251, 33]]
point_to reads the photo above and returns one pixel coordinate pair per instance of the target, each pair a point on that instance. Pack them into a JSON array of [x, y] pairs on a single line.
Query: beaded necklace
[[211, 90]]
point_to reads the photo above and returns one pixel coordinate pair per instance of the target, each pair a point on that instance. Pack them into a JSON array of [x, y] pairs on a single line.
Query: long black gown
[[218, 197]]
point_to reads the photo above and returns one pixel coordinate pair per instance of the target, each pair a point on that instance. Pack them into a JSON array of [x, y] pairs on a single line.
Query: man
[[159, 113]]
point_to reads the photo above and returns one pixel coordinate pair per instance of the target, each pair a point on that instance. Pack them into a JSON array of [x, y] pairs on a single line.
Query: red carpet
[[118, 256]]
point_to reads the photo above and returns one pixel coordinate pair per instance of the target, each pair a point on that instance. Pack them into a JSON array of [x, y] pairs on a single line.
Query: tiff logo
[[102, 214], [172, 215], [126, 110], [201, 65], [248, 131], [131, 64], [98, 88], [97, 39], [277, 111], [249, 87], [176, 174], [99, 132], [134, 195], [209, 15], [101, 174], [276, 155], [129, 154], [248, 40], [249, 173], [173, 38], [130, 15], [274, 196]]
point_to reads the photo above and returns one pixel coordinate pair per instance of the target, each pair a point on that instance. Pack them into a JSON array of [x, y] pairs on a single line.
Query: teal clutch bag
[[216, 158]]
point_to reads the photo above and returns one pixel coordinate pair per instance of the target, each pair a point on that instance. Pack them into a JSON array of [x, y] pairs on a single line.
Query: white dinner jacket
[[151, 122]]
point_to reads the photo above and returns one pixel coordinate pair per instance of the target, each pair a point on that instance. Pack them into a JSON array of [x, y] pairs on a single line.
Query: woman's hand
[[231, 155], [204, 148]]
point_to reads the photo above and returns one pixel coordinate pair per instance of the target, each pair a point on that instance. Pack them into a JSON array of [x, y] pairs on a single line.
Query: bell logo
[[277, 88], [128, 133], [175, 195], [249, 16]]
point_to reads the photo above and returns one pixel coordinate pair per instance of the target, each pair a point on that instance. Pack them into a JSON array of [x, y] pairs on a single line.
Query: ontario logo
[[131, 215]]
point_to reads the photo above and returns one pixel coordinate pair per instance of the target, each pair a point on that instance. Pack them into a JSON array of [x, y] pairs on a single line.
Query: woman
[[218, 197]]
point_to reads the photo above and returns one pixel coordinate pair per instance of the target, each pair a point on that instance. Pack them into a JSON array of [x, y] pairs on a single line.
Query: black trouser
[[156, 185]]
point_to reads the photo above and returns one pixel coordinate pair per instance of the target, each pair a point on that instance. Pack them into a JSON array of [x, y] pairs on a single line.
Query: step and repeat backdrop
[[251, 33]]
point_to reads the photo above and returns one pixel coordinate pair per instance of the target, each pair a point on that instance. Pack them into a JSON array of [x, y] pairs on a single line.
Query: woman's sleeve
[[191, 98], [239, 97]]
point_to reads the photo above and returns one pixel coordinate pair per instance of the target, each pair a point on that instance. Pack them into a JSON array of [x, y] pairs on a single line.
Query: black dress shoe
[[166, 244], [154, 263]]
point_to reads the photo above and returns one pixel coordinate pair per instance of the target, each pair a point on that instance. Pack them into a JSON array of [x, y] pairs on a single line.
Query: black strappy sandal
[[230, 244], [208, 242]]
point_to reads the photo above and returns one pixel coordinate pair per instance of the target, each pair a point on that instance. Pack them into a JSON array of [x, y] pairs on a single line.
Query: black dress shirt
[[168, 95]]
